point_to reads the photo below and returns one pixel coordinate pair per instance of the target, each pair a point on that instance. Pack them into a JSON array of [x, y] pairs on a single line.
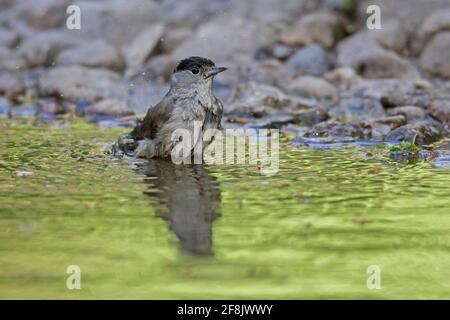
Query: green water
[[159, 231]]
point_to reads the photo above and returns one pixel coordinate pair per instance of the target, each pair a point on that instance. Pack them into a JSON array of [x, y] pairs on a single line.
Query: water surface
[[155, 230]]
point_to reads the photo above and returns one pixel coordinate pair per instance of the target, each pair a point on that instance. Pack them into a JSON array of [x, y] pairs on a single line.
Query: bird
[[190, 99]]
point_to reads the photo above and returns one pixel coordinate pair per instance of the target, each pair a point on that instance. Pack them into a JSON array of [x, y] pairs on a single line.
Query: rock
[[345, 77], [49, 106], [76, 82], [223, 39], [313, 87], [96, 54], [262, 105], [440, 110], [335, 129], [381, 127], [44, 14], [353, 108], [10, 60], [410, 13], [43, 48], [411, 113], [8, 38], [434, 23], [435, 58], [117, 21], [419, 133], [174, 37], [311, 59], [391, 36], [142, 46], [393, 92], [322, 27], [371, 60], [110, 107], [253, 95], [10, 85], [158, 68], [277, 51]]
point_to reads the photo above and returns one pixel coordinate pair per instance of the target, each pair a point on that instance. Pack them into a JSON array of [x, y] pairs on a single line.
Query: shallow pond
[[156, 230]]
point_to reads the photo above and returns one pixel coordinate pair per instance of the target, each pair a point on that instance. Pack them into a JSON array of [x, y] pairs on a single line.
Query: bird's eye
[[195, 71]]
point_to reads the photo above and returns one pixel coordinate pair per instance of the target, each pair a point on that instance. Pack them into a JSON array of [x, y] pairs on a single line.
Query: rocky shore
[[310, 68]]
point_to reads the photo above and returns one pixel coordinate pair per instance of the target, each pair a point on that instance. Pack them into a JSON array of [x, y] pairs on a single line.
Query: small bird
[[190, 99]]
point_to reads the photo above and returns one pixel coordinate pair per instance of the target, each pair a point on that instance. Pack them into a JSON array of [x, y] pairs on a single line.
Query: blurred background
[[117, 65]]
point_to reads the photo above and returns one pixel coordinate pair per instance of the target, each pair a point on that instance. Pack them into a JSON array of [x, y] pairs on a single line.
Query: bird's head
[[195, 71]]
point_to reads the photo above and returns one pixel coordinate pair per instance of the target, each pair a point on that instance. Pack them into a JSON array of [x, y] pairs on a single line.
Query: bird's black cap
[[193, 63]]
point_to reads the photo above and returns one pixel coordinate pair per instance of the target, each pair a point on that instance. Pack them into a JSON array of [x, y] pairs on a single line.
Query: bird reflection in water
[[187, 197]]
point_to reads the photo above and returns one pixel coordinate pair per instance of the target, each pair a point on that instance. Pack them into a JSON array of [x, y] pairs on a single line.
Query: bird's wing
[[155, 116], [186, 114]]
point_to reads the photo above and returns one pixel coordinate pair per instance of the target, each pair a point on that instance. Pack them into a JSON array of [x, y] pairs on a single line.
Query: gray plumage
[[189, 99]]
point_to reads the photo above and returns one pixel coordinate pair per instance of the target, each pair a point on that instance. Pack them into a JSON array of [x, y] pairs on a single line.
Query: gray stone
[[435, 57], [335, 129], [43, 14], [43, 48], [370, 60], [142, 46], [10, 60], [110, 107], [411, 113], [97, 54], [312, 59], [419, 133], [8, 38], [76, 82], [322, 27], [313, 87], [440, 110]]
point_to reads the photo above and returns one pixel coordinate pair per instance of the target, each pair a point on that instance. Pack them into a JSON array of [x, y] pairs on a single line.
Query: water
[[155, 230]]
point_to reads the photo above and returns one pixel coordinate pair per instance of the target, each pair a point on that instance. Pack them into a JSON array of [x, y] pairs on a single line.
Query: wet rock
[[357, 109], [44, 14], [411, 113], [143, 45], [10, 60], [97, 54], [370, 60], [76, 82], [50, 106], [312, 59], [434, 23], [110, 107], [419, 133], [42, 48], [8, 38], [322, 27], [435, 58], [440, 110], [344, 77], [335, 129], [313, 87], [174, 37], [381, 127], [262, 105]]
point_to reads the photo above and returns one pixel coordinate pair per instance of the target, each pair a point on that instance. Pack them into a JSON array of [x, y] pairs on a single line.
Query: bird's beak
[[215, 70]]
